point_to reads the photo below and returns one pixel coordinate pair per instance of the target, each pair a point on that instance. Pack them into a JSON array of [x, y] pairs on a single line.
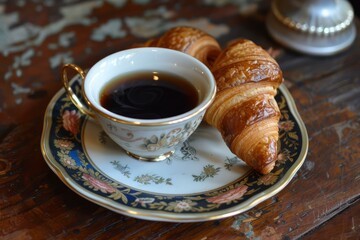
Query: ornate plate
[[202, 181]]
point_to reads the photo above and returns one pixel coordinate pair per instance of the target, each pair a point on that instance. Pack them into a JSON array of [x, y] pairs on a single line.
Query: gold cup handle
[[73, 97]]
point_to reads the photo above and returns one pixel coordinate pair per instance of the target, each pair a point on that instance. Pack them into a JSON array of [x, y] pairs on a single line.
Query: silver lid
[[316, 27]]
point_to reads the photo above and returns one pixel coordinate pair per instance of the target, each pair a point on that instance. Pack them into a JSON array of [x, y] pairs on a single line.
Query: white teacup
[[144, 139]]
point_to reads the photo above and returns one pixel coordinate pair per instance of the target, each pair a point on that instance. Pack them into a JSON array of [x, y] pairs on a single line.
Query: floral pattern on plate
[[140, 192]]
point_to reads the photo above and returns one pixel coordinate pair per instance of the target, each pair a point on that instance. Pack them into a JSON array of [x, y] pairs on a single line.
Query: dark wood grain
[[321, 202], [344, 225]]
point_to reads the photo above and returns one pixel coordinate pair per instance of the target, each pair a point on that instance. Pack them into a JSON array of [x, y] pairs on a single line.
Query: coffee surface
[[149, 95]]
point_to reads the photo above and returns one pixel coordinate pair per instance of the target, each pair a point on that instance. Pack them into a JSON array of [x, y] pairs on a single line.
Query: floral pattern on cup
[[172, 138], [161, 142]]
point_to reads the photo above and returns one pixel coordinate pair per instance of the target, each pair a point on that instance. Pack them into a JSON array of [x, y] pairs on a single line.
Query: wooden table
[[321, 201]]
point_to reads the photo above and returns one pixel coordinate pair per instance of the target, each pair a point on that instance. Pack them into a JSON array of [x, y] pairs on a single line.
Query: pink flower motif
[[286, 125], [71, 121], [230, 195], [98, 184]]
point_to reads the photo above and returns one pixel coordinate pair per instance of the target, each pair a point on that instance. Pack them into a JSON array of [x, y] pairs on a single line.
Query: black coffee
[[149, 95]]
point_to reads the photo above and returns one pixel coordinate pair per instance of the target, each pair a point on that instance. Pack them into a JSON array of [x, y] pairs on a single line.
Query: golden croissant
[[244, 109], [189, 40], [247, 78]]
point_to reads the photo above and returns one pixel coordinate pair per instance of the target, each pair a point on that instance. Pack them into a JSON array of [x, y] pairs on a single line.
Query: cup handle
[[73, 97]]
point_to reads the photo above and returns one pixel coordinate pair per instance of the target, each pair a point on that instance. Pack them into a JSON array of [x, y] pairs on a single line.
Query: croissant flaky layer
[[189, 40], [244, 110], [243, 61]]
